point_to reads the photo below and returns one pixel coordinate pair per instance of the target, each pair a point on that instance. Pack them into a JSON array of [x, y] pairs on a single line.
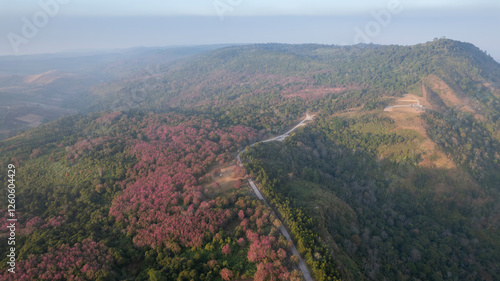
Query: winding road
[[278, 138], [302, 265]]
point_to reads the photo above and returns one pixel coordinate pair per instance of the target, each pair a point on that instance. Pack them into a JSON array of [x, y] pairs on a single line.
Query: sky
[[48, 26]]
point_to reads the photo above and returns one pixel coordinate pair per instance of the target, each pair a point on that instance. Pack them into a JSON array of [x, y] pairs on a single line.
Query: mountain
[[395, 178]]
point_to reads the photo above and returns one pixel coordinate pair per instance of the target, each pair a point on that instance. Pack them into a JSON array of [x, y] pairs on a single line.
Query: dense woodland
[[127, 190], [385, 217], [118, 195]]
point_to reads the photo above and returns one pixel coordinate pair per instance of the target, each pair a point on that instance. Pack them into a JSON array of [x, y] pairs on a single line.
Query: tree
[[226, 274], [226, 249]]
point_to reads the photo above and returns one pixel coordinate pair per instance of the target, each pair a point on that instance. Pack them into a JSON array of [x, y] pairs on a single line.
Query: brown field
[[30, 118], [450, 96], [226, 180], [410, 118], [20, 115]]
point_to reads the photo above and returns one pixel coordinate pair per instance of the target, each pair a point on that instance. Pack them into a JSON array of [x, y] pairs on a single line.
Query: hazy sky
[[46, 26]]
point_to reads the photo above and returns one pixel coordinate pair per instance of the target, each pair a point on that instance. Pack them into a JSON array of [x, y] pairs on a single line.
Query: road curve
[[302, 264], [278, 138]]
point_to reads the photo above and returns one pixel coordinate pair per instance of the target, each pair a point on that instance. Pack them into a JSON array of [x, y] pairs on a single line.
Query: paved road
[[302, 264], [256, 190], [282, 137], [278, 138]]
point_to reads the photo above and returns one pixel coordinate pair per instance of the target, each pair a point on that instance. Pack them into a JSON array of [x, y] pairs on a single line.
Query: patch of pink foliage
[[226, 274], [165, 204], [83, 261], [25, 226], [266, 253], [226, 249]]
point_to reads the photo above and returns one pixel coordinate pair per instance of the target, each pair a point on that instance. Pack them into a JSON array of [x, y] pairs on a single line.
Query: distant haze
[[115, 24]]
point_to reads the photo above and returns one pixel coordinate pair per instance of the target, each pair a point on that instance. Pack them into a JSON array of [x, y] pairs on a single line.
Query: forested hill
[[396, 178], [241, 72]]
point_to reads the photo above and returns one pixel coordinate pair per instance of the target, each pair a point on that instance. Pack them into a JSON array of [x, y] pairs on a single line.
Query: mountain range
[[126, 162]]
